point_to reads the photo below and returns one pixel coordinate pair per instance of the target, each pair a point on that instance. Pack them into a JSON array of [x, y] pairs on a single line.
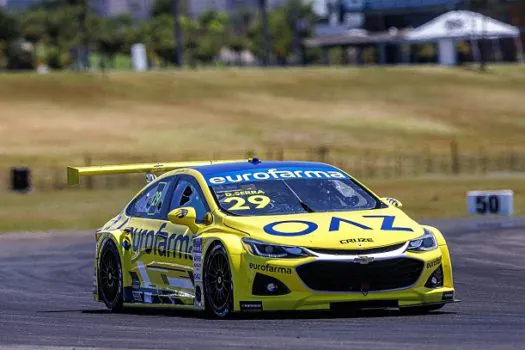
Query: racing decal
[[154, 202], [388, 223], [144, 274], [335, 223], [309, 228], [270, 268], [275, 229], [256, 201], [356, 240], [137, 296], [244, 193], [113, 222], [433, 263], [249, 197], [184, 283], [197, 272], [275, 174], [154, 296], [160, 242], [117, 223], [251, 305], [135, 281]]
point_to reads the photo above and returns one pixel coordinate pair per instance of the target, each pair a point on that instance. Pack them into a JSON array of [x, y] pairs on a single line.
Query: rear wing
[[74, 173]]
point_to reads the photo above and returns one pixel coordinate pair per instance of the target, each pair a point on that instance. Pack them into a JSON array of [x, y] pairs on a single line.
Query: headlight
[[423, 243], [268, 250]]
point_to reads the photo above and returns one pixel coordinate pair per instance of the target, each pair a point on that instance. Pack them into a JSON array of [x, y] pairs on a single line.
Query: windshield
[[280, 197]]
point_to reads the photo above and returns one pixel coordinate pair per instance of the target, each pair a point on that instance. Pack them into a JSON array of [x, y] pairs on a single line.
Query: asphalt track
[[45, 302]]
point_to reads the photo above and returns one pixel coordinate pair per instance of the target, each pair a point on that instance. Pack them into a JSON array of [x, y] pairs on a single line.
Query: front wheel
[[218, 284], [110, 277]]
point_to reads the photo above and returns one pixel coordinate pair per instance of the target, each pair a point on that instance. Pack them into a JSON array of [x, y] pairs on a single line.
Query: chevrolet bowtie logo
[[363, 260]]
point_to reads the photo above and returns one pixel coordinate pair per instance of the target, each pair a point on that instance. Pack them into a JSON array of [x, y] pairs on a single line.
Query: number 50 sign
[[490, 202]]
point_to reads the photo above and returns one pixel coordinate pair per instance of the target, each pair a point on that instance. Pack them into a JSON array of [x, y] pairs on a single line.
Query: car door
[[149, 238], [173, 262], [187, 193]]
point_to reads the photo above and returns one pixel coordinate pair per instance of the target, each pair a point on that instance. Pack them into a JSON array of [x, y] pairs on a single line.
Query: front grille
[[385, 249], [338, 276]]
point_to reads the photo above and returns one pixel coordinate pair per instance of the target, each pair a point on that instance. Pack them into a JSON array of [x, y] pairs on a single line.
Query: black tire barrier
[[20, 179]]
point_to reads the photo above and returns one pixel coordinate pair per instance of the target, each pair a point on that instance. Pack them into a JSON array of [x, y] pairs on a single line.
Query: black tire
[[110, 277], [218, 283], [418, 310]]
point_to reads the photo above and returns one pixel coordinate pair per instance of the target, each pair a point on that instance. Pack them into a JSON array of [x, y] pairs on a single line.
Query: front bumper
[[372, 284]]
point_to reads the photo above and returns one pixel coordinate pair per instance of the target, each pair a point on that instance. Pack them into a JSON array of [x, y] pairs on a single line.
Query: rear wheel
[[218, 284], [110, 277]]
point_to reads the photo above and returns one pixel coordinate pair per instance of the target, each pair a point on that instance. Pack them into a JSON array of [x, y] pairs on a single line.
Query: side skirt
[[150, 296]]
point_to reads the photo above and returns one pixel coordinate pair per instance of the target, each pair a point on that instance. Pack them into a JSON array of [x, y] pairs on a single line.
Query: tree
[[110, 35], [9, 31], [165, 7], [159, 38], [209, 36], [281, 22], [34, 25]]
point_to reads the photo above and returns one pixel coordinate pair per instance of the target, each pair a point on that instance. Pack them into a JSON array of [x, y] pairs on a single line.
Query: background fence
[[365, 165]]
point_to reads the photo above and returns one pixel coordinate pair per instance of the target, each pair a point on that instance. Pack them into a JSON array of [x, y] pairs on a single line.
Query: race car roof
[[208, 170]]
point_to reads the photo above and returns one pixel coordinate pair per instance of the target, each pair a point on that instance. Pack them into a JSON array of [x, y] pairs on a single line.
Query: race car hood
[[333, 230]]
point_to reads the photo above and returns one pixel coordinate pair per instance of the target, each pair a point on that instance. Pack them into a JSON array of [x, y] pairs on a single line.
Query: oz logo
[[273, 228], [307, 227]]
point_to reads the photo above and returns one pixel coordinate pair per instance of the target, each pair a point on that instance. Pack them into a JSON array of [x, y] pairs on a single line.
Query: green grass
[[82, 209], [57, 118], [445, 197], [121, 62], [76, 209]]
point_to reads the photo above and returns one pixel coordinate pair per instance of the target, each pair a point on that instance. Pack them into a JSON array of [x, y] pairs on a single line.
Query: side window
[[150, 203], [189, 194]]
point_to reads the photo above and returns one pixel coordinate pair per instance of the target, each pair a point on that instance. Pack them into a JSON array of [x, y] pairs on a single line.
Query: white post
[[139, 57], [447, 52]]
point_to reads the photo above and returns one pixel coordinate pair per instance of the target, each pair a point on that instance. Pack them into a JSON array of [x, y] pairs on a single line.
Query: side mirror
[[393, 202], [185, 216]]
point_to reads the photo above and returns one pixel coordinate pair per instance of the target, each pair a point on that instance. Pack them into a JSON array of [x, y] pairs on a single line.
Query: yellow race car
[[252, 235]]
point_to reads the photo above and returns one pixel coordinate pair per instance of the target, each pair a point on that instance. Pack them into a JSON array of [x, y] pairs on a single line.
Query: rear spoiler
[[74, 173]]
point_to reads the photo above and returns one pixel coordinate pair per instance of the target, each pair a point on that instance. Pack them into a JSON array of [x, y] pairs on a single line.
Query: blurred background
[[100, 34], [422, 100]]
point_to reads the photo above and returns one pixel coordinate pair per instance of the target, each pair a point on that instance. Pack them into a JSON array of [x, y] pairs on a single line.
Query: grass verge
[[55, 119], [82, 209]]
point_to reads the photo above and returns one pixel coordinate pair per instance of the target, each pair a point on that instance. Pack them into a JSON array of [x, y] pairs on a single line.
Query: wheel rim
[[218, 282], [109, 276]]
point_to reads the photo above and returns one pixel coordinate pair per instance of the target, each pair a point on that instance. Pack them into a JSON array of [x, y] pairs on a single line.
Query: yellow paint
[[155, 269]]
